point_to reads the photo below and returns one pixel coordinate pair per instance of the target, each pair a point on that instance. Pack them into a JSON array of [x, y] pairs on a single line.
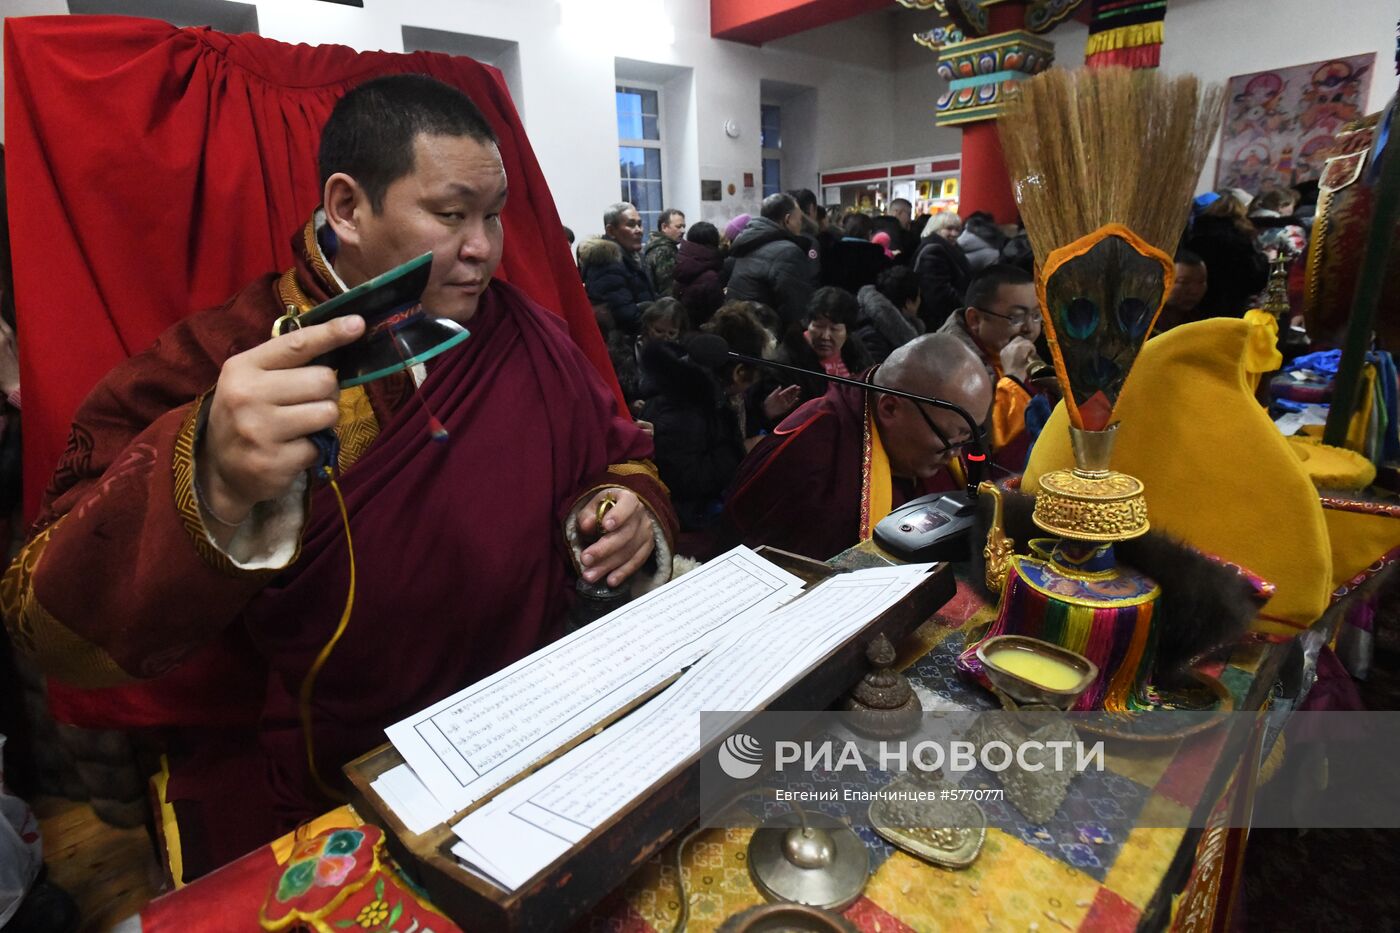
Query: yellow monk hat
[[1218, 474]]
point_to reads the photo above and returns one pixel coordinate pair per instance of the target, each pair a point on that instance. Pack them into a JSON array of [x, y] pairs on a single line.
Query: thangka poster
[[1279, 125]]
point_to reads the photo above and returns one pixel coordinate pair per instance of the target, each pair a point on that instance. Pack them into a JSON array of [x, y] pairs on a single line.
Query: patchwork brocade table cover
[[1070, 873]]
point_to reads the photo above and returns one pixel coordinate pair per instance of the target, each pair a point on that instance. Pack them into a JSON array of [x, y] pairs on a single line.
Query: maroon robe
[[461, 564], [800, 488]]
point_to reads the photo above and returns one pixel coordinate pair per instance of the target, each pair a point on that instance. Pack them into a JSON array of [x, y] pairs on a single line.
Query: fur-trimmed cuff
[[661, 553], [270, 537]]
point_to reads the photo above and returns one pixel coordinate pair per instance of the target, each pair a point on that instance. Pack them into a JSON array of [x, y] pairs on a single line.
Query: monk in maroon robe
[[181, 529], [840, 463]]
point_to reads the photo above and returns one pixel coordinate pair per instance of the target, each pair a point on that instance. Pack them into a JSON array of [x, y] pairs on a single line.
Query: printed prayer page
[[465, 746], [517, 834]]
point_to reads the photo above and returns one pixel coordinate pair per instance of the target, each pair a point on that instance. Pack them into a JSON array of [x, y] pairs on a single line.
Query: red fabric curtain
[[153, 171]]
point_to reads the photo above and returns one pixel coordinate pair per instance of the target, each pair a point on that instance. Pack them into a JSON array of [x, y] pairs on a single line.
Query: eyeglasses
[[1019, 319], [957, 449]]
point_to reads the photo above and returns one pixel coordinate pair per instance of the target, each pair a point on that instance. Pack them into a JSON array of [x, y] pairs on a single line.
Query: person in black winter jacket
[[772, 264], [698, 414], [889, 312], [613, 273], [943, 271], [697, 273], [1236, 270], [1017, 252], [663, 321], [853, 261]]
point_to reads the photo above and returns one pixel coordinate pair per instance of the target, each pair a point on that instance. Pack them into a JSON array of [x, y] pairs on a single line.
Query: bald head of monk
[[940, 366]]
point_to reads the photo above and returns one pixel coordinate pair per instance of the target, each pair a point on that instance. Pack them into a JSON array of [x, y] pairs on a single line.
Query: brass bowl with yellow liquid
[[1032, 671]]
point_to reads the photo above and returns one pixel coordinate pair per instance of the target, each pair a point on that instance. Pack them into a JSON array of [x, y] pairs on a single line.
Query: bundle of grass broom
[[1107, 145]]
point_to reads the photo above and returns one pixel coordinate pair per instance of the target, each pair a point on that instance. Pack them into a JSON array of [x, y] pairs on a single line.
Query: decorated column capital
[[980, 70]]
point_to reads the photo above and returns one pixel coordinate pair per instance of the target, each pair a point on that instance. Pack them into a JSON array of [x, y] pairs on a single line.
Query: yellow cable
[[310, 682]]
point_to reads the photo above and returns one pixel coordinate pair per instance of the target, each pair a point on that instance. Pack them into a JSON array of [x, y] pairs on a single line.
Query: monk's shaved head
[[939, 366], [936, 365]]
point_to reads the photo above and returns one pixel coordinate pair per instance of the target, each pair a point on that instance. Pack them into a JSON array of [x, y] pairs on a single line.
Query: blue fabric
[[328, 446], [1037, 414], [1326, 362], [1382, 441], [1287, 404]]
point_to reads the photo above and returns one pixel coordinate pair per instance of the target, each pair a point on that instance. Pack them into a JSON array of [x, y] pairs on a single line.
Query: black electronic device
[[399, 332], [933, 527]]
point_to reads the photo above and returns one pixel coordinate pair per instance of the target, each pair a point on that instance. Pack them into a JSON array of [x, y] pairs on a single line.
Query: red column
[[985, 184]]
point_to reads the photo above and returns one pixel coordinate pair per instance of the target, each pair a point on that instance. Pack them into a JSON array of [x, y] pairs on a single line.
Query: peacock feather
[[1100, 303]]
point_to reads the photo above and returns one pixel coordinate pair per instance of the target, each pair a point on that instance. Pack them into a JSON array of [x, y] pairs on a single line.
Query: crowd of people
[[837, 294], [803, 286]]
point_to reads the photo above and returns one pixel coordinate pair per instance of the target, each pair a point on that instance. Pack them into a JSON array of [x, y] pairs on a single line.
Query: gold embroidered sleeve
[[182, 464], [55, 648]]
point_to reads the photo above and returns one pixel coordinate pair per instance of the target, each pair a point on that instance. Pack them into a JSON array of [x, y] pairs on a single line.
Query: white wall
[[916, 87], [1217, 39], [846, 65]]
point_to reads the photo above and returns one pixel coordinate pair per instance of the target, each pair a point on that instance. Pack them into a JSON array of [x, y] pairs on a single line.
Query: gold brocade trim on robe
[[56, 649], [314, 256], [865, 457], [182, 468], [876, 481], [1312, 281], [639, 468], [290, 293]]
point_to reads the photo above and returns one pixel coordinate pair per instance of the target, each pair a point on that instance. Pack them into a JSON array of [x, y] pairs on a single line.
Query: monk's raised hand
[[626, 540], [267, 401], [1016, 358]]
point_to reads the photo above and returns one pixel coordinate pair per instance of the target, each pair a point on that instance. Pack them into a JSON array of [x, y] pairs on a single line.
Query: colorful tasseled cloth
[[1126, 33], [1117, 636]]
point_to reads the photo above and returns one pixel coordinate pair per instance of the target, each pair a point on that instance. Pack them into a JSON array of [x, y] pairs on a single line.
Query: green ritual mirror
[[399, 332]]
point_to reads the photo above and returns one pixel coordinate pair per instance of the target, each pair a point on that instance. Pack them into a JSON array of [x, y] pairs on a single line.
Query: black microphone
[[712, 351]]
